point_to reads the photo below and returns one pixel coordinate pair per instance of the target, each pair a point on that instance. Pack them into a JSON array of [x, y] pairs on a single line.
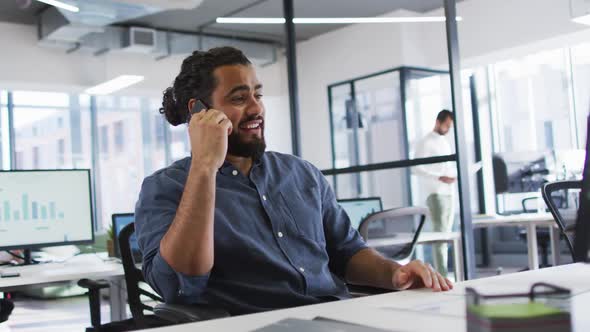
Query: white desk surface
[[75, 268], [540, 219], [417, 310], [423, 238]]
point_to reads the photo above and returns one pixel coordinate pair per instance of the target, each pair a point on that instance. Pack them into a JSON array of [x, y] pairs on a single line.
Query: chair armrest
[[93, 284], [358, 291], [178, 313]]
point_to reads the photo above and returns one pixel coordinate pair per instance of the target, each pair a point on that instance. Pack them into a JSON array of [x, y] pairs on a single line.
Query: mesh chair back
[[563, 200], [403, 224], [134, 278]]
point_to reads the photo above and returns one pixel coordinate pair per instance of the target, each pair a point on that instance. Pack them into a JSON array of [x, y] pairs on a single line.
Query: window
[[159, 130], [533, 105], [61, 151], [36, 157], [580, 56], [132, 154], [535, 120], [179, 142], [38, 136], [119, 136], [104, 140]]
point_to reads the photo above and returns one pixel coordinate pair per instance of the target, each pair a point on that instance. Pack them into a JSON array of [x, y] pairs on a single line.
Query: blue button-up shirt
[[280, 238]]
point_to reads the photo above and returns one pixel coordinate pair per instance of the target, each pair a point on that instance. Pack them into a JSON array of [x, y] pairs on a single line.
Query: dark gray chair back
[[403, 224], [563, 200]]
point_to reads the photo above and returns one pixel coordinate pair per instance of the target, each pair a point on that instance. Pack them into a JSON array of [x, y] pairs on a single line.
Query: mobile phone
[[197, 107], [9, 274]]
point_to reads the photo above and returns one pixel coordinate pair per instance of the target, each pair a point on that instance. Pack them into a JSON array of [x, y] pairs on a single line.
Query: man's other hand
[[419, 275], [446, 179]]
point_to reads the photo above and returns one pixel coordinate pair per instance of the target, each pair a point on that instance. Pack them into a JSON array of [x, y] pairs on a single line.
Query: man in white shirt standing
[[437, 182]]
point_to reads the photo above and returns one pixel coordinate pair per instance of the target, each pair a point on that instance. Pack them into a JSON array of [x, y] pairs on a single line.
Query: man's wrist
[[203, 169]]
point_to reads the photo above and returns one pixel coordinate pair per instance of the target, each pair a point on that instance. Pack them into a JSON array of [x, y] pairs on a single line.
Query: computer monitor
[[121, 220], [359, 208], [41, 208], [582, 237]]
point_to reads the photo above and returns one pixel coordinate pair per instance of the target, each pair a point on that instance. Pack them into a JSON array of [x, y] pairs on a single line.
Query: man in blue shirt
[[243, 229]]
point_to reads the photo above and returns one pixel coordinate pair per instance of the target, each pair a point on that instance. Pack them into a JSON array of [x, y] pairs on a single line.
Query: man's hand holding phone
[[447, 179], [208, 131]]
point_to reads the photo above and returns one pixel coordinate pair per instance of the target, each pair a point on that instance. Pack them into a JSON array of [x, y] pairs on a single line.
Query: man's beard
[[253, 149]]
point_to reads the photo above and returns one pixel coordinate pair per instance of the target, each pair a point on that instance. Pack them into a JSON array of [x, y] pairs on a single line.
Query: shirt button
[[234, 172], [280, 234], [301, 269], [264, 197]]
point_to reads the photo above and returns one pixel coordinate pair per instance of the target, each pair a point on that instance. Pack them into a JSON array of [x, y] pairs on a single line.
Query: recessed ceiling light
[[582, 19], [61, 5], [332, 20], [115, 84], [251, 20], [355, 20]]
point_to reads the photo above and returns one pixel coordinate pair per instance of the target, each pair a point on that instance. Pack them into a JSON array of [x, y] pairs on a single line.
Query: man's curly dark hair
[[196, 80]]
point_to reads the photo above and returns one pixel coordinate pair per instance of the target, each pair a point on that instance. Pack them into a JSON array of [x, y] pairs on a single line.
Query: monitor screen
[[121, 220], [582, 238], [358, 209], [40, 208]]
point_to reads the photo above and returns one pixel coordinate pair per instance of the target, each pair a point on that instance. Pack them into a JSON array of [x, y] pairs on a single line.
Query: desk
[[530, 222], [78, 267], [405, 311], [453, 238]]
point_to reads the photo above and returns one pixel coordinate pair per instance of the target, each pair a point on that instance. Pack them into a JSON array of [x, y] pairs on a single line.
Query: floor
[[59, 315]]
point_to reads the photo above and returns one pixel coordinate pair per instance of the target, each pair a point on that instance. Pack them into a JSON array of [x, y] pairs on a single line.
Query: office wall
[[492, 30], [26, 66]]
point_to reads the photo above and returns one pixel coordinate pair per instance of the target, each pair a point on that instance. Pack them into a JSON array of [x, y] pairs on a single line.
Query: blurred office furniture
[[76, 268], [531, 221], [404, 224], [525, 177], [564, 216]]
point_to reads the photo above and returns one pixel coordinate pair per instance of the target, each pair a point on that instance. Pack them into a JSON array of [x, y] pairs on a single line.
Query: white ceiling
[[202, 18]]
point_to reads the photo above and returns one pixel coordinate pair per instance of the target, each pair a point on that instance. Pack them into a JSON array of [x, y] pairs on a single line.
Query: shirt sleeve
[[154, 212], [342, 240]]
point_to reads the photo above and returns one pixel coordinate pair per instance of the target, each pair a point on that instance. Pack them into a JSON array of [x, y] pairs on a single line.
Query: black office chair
[[6, 307], [162, 314], [555, 195]]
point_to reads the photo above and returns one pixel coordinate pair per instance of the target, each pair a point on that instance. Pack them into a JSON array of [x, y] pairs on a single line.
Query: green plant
[[111, 233]]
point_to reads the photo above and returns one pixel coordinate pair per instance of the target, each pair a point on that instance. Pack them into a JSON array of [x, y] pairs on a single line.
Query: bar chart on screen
[[45, 207], [27, 209]]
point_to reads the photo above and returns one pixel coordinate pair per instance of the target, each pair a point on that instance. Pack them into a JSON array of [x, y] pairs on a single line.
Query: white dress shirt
[[433, 145]]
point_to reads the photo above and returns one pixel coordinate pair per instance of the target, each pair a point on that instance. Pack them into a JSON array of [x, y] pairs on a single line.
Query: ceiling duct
[[91, 30]]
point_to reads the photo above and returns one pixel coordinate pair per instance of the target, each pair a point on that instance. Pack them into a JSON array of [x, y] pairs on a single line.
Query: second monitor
[[359, 208]]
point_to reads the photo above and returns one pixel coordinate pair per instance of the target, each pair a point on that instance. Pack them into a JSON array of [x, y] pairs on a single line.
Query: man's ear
[[191, 104]]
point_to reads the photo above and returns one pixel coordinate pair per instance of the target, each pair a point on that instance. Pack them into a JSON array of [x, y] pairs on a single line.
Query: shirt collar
[[227, 167]]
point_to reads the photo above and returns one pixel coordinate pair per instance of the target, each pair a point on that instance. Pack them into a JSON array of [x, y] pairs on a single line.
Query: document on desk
[[316, 325]]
